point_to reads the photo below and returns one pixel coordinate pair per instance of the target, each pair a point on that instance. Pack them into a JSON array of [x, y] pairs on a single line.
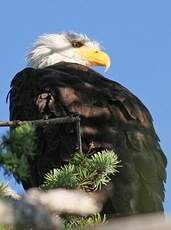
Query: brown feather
[[111, 118]]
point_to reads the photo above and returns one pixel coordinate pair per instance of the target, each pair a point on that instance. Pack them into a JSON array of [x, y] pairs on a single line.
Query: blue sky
[[136, 34]]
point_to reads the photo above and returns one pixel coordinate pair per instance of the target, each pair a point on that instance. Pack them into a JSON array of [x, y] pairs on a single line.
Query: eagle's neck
[[44, 60]]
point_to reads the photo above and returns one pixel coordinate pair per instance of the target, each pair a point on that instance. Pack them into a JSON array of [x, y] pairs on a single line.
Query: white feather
[[50, 49]]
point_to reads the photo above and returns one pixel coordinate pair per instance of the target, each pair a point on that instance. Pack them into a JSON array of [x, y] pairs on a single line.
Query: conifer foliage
[[15, 146], [82, 173]]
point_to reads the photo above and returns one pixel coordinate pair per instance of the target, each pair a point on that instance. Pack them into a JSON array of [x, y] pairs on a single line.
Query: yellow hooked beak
[[95, 57]]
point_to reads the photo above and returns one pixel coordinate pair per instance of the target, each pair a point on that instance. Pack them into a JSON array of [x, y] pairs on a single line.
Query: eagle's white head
[[50, 49]]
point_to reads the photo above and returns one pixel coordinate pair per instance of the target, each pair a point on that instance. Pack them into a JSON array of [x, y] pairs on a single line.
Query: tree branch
[[9, 192], [64, 201], [41, 122], [58, 120], [37, 209], [23, 215], [139, 222]]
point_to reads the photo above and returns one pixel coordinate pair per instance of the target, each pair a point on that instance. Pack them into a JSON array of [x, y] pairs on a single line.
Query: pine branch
[[90, 174], [38, 209], [10, 193], [2, 190], [72, 222], [139, 222], [23, 215], [58, 120], [15, 147], [62, 201]]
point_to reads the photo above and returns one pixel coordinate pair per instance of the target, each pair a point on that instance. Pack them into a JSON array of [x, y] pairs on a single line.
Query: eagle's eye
[[77, 44]]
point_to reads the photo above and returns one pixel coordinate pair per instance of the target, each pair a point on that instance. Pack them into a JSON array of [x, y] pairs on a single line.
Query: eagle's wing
[[111, 118]]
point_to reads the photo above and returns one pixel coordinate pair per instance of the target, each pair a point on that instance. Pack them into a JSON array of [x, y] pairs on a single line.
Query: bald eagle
[[59, 82]]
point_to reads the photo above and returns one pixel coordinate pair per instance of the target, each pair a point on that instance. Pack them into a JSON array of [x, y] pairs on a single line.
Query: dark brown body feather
[[111, 118]]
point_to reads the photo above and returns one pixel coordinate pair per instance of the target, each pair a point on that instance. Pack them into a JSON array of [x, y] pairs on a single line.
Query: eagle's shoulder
[[87, 84]]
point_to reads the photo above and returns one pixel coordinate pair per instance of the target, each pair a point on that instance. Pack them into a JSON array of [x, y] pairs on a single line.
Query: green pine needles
[[2, 189], [15, 147], [77, 222], [88, 174]]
